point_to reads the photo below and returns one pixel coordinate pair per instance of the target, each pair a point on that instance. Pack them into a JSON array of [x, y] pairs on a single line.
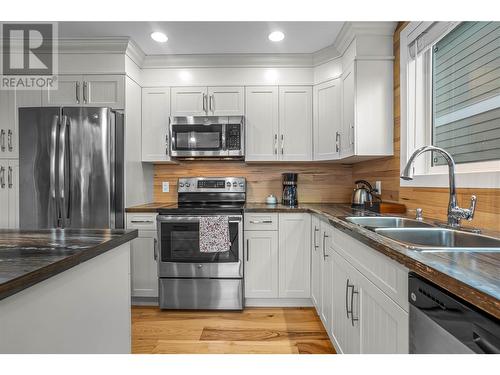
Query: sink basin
[[386, 222], [441, 239]]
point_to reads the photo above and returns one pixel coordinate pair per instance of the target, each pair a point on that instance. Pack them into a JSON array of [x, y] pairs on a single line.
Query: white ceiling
[[212, 37]]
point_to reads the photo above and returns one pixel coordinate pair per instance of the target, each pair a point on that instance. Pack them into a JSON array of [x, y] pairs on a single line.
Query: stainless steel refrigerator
[[71, 168]]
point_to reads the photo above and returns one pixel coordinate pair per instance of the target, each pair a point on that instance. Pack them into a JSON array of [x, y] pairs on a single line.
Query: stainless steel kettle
[[362, 193]]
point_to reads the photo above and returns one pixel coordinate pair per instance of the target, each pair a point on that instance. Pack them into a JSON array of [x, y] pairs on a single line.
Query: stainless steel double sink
[[421, 236]]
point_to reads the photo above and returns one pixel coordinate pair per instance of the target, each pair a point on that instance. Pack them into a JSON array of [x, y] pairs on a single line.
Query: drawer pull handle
[[261, 221], [142, 221]]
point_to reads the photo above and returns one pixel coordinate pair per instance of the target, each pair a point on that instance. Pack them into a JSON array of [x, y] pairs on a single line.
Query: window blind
[[466, 92]]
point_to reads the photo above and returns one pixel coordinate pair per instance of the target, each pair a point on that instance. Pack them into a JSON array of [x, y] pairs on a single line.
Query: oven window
[[198, 137], [180, 243]]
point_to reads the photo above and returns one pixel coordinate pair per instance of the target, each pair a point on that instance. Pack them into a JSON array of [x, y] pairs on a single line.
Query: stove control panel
[[212, 184]]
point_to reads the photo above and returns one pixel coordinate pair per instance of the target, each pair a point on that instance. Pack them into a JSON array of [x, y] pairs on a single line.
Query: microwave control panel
[[233, 136]]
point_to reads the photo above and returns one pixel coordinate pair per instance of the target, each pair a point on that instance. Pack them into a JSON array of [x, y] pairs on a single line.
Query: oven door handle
[[155, 249]]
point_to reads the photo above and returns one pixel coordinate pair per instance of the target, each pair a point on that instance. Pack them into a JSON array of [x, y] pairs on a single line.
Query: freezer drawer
[[201, 294]]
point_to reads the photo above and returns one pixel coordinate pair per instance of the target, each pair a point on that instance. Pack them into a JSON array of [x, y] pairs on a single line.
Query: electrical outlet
[[165, 186], [378, 187]]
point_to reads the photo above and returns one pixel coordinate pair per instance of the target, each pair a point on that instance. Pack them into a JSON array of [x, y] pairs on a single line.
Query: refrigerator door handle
[[62, 214], [53, 142]]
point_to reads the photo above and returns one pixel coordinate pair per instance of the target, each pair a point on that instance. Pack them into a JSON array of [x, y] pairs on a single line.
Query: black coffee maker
[[289, 197]]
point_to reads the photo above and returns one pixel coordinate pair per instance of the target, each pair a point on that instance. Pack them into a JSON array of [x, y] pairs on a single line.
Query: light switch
[[165, 186], [378, 187]]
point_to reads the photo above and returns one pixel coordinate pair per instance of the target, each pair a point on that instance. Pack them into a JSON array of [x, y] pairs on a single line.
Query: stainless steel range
[[188, 277]]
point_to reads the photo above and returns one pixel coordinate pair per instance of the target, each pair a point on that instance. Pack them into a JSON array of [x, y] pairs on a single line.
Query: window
[[466, 93], [450, 97]]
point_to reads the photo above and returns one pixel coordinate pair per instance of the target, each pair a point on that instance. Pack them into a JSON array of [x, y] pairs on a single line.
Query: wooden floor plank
[[254, 330]]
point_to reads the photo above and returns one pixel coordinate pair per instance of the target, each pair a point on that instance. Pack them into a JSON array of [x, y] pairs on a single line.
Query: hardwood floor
[[252, 331]]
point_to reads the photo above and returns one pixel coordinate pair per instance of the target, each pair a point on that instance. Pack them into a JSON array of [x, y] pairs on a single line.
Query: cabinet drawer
[[261, 221], [144, 221], [388, 275]]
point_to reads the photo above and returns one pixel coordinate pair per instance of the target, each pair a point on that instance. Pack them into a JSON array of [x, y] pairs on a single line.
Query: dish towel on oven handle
[[214, 234]]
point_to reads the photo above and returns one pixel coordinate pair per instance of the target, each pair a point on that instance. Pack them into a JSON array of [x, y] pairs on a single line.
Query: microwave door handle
[[224, 129]]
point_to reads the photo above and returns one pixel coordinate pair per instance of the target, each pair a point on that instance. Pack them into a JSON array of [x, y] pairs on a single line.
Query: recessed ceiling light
[[159, 37], [276, 36]]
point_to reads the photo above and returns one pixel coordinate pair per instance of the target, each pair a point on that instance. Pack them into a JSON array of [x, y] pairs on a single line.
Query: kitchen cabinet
[[155, 124], [278, 123], [294, 255], [327, 123], [261, 264], [9, 193], [316, 260], [325, 312], [143, 265], [262, 123], [295, 123], [87, 90], [208, 101], [367, 115]]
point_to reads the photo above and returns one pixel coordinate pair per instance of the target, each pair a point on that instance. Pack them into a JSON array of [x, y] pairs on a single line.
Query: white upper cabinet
[[104, 91], [189, 101], [7, 123], [261, 264], [261, 123], [327, 120], [208, 101], [294, 255], [367, 116], [226, 101], [295, 123], [155, 121], [87, 90]]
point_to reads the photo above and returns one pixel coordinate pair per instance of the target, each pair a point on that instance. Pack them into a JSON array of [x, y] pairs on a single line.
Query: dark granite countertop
[[473, 276], [28, 257], [148, 207]]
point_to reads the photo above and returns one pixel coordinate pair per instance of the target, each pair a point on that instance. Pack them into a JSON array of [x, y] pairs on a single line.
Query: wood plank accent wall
[[318, 182], [433, 201]]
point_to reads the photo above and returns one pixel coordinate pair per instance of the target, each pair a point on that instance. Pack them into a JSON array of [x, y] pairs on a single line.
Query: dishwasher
[[442, 323]]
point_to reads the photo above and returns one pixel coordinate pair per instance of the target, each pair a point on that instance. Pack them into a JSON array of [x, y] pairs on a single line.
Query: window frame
[[416, 121]]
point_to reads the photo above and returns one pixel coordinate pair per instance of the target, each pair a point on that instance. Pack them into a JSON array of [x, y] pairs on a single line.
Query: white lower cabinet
[[316, 259], [261, 264], [9, 194], [325, 312], [278, 260], [143, 265], [364, 318]]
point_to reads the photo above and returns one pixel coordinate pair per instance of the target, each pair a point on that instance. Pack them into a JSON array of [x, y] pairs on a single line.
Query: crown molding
[[351, 30], [325, 55], [93, 45], [135, 53], [254, 60]]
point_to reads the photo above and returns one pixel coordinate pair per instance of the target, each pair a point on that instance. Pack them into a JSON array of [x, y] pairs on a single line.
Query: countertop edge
[[17, 285]]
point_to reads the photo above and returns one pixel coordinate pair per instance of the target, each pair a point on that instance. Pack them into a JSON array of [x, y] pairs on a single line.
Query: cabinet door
[[155, 114], [316, 259], [348, 118], [13, 193], [104, 91], [261, 264], [261, 121], [226, 101], [384, 326], [4, 195], [327, 120], [326, 276], [295, 123], [7, 123], [294, 255], [69, 92], [343, 331], [144, 271], [189, 101]]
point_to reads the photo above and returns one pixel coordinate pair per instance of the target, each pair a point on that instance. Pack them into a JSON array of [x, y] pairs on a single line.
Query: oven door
[[180, 255], [198, 140]]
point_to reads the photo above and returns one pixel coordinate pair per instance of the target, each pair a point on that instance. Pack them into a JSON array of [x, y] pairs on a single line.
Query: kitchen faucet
[[455, 213]]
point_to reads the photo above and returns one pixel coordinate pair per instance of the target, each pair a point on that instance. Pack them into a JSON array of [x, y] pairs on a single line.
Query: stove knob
[[235, 184], [228, 184], [188, 184], [242, 184], [181, 184]]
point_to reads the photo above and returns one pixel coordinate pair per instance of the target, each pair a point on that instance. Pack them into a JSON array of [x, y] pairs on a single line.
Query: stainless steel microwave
[[207, 137]]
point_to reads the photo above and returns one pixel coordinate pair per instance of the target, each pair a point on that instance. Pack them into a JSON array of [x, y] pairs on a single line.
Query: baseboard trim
[[145, 301], [278, 302]]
